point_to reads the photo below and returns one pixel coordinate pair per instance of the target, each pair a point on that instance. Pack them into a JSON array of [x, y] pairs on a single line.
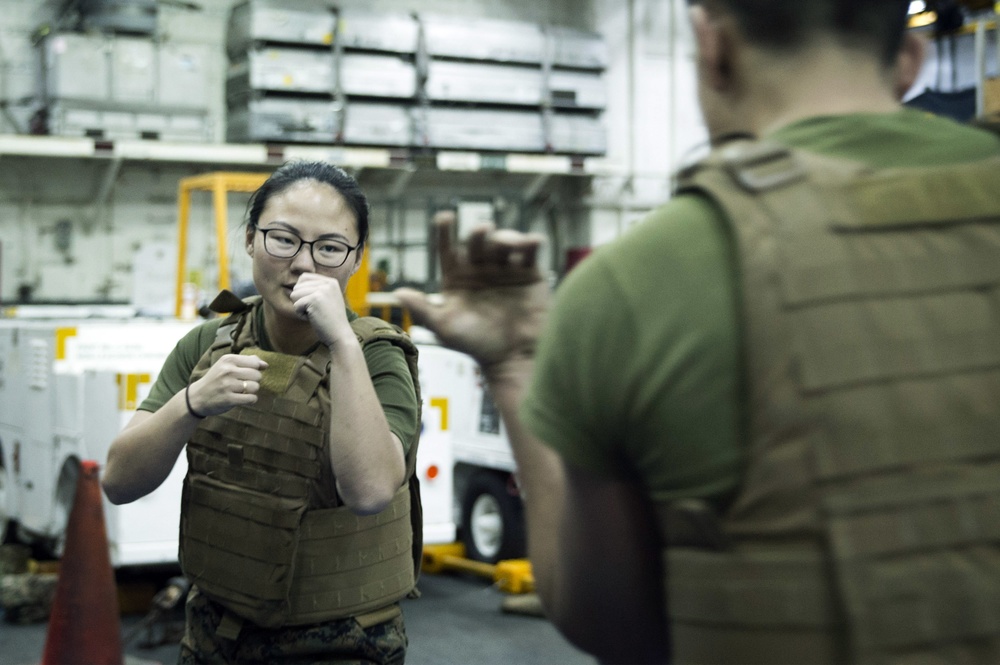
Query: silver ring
[[244, 386]]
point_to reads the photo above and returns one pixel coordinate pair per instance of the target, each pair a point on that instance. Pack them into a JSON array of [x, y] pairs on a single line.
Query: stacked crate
[[111, 86], [377, 79], [577, 91], [295, 76], [513, 86], [280, 79], [305, 72]]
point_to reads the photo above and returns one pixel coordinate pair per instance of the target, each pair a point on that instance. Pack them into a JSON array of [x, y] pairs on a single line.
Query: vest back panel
[[871, 329]]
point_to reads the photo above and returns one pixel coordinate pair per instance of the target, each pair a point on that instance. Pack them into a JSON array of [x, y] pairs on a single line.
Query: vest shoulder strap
[[369, 328], [787, 183], [231, 326]]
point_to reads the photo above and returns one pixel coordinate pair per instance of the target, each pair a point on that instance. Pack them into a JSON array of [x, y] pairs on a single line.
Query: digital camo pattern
[[27, 598], [342, 641]]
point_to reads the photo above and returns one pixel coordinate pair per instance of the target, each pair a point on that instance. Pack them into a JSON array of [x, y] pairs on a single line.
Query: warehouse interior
[[129, 129]]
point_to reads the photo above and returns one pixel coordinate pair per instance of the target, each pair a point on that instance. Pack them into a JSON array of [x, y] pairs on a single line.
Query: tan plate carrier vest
[[261, 529], [867, 527]]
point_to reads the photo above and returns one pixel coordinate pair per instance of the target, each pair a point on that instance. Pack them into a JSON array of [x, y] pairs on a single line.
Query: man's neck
[[821, 81]]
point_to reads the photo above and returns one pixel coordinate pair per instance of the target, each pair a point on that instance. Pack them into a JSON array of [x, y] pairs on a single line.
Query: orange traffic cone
[[85, 624]]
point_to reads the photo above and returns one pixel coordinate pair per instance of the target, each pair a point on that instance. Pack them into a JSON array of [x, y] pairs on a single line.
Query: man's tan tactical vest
[[867, 528], [262, 530]]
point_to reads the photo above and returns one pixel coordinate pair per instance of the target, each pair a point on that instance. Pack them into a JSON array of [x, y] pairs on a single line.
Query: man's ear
[[713, 56], [909, 62]]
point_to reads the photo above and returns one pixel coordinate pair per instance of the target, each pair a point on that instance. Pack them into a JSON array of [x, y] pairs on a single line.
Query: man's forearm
[[596, 568], [540, 474]]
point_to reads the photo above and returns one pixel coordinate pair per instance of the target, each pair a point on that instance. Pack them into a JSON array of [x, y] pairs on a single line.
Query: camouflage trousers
[[342, 641]]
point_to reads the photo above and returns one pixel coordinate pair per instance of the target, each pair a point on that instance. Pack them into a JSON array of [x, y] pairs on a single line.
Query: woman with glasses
[[300, 421]]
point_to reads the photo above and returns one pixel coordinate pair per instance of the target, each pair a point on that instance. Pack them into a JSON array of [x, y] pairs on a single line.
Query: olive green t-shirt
[[386, 366], [637, 371]]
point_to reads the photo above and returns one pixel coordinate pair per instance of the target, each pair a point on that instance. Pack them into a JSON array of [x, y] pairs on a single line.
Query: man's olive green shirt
[[638, 371]]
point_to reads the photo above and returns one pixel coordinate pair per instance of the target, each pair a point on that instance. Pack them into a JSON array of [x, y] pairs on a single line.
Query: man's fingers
[[500, 247], [480, 244], [444, 223], [529, 254], [415, 301], [530, 245]]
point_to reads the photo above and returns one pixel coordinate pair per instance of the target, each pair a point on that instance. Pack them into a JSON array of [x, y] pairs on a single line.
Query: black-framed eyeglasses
[[326, 252]]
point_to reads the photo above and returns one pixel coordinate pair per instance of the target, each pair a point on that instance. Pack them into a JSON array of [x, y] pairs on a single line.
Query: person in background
[[764, 425], [300, 422], [379, 278]]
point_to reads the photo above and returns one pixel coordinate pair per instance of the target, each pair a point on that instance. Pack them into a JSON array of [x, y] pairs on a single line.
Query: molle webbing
[[373, 561], [340, 560], [261, 532], [871, 313]]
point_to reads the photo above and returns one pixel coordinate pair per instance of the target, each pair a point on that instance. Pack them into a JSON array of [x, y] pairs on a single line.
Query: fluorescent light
[[918, 7]]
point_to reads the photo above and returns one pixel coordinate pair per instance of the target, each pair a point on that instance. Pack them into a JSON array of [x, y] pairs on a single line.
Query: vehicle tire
[[492, 519]]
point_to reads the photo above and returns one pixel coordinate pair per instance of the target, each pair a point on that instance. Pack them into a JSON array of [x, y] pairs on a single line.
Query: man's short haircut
[[786, 25]]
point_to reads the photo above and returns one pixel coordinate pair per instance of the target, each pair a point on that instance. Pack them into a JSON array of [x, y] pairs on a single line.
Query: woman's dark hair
[[789, 24], [292, 172]]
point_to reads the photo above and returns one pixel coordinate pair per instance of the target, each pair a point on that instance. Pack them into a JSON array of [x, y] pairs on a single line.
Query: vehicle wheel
[[492, 519]]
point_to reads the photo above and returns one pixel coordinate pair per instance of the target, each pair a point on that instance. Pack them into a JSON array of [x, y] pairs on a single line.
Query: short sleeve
[[575, 402], [636, 374], [177, 368], [393, 384]]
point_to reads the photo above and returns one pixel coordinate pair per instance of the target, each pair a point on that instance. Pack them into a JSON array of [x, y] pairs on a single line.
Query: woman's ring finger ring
[[244, 386]]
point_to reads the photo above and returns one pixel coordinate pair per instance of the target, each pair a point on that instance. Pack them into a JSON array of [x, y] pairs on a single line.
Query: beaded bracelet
[[187, 400]]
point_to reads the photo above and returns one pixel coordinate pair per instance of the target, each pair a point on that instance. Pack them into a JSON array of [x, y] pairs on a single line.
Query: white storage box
[[76, 67], [133, 70], [377, 76], [283, 120], [578, 89], [576, 48], [282, 70], [577, 134], [183, 79], [449, 80], [111, 123], [484, 39], [364, 30], [274, 21], [378, 124], [129, 72], [479, 129]]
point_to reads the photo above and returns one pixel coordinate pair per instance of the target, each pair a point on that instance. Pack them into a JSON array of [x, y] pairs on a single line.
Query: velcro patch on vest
[[280, 368]]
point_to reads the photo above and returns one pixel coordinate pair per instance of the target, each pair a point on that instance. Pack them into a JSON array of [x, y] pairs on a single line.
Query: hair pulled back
[[292, 172]]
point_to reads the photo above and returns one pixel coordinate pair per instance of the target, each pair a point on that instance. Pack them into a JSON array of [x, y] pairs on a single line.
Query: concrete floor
[[457, 621]]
